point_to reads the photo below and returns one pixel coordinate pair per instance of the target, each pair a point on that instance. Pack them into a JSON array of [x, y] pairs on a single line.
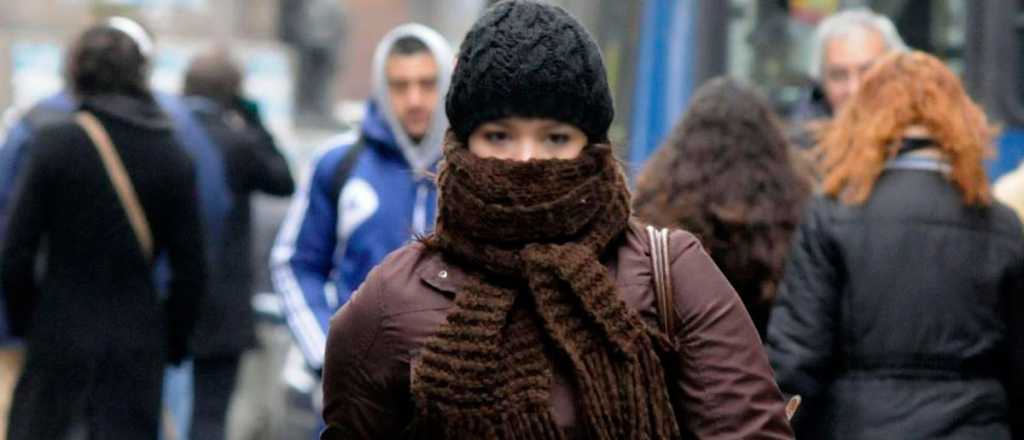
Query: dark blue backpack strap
[[345, 167]]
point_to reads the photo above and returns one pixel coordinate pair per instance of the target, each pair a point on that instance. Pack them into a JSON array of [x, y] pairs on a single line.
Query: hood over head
[[142, 112], [423, 155]]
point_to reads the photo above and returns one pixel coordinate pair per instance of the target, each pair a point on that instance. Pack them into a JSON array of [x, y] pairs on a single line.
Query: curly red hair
[[903, 90]]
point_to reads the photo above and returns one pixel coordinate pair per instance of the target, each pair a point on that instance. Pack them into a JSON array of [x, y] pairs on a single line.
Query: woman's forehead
[[529, 123]]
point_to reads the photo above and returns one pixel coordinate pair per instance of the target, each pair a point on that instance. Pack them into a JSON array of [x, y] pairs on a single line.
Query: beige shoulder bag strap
[[119, 178], [661, 268]]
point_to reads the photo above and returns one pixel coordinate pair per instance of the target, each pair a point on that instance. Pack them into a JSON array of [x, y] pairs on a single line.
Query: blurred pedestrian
[[98, 333], [530, 312], [214, 194], [213, 90], [12, 158], [900, 312], [727, 175], [316, 30], [845, 46], [366, 198]]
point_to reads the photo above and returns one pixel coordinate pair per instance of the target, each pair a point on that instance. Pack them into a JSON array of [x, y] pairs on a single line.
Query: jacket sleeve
[[28, 211], [724, 381], [187, 260], [1015, 328], [359, 403], [302, 260], [12, 158], [268, 169], [802, 329]]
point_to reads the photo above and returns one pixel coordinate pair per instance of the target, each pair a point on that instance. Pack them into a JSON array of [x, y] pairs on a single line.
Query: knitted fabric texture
[[529, 59], [529, 235]]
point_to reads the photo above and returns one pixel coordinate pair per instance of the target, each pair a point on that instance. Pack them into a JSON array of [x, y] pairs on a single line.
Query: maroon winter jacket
[[723, 377]]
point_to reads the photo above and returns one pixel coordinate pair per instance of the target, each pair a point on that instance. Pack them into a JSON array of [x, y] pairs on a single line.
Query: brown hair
[[214, 75], [903, 90], [104, 60], [727, 174]]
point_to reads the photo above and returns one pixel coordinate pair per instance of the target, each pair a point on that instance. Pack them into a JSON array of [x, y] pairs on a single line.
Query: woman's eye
[[496, 136], [558, 138]]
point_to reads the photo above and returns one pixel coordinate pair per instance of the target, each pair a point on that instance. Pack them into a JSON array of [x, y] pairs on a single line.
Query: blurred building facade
[[656, 51], [34, 35]]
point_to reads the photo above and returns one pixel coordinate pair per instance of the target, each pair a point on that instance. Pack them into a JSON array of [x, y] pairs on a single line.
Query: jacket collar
[[140, 111], [450, 279], [375, 128], [440, 275], [921, 162]]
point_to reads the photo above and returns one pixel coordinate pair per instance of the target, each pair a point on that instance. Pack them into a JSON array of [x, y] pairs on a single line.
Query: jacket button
[[443, 274]]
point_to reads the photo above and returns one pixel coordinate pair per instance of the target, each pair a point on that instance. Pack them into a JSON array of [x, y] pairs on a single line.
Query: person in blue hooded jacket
[[368, 195]]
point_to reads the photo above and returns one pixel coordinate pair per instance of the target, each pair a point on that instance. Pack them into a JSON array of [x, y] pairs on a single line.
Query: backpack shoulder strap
[[120, 180], [345, 167], [662, 273]]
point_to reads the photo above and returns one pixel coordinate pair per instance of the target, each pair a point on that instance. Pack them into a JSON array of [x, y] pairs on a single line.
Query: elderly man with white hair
[[845, 46]]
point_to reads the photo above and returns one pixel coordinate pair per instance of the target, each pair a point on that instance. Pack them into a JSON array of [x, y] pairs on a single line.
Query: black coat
[[252, 163], [96, 329], [900, 318]]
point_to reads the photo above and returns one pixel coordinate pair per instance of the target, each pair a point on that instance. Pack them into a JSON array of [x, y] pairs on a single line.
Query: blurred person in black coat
[[97, 331], [252, 163], [901, 310], [316, 30]]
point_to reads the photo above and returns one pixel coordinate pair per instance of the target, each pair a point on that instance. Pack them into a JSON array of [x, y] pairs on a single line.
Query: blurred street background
[[656, 51]]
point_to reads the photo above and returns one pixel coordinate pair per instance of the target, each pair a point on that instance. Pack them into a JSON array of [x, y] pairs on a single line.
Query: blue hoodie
[[339, 229]]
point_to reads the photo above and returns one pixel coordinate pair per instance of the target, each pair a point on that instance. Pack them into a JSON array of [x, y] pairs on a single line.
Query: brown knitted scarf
[[529, 235]]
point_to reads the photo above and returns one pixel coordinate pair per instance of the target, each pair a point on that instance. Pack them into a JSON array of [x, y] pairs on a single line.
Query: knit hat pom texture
[[529, 59]]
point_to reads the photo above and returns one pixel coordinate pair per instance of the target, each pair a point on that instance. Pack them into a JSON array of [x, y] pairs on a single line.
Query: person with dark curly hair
[[530, 311], [900, 313], [727, 174]]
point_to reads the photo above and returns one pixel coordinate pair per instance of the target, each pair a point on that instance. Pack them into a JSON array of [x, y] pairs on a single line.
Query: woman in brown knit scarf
[[529, 312]]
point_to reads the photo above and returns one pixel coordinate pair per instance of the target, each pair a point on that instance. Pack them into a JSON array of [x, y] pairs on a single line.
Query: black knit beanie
[[529, 59]]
